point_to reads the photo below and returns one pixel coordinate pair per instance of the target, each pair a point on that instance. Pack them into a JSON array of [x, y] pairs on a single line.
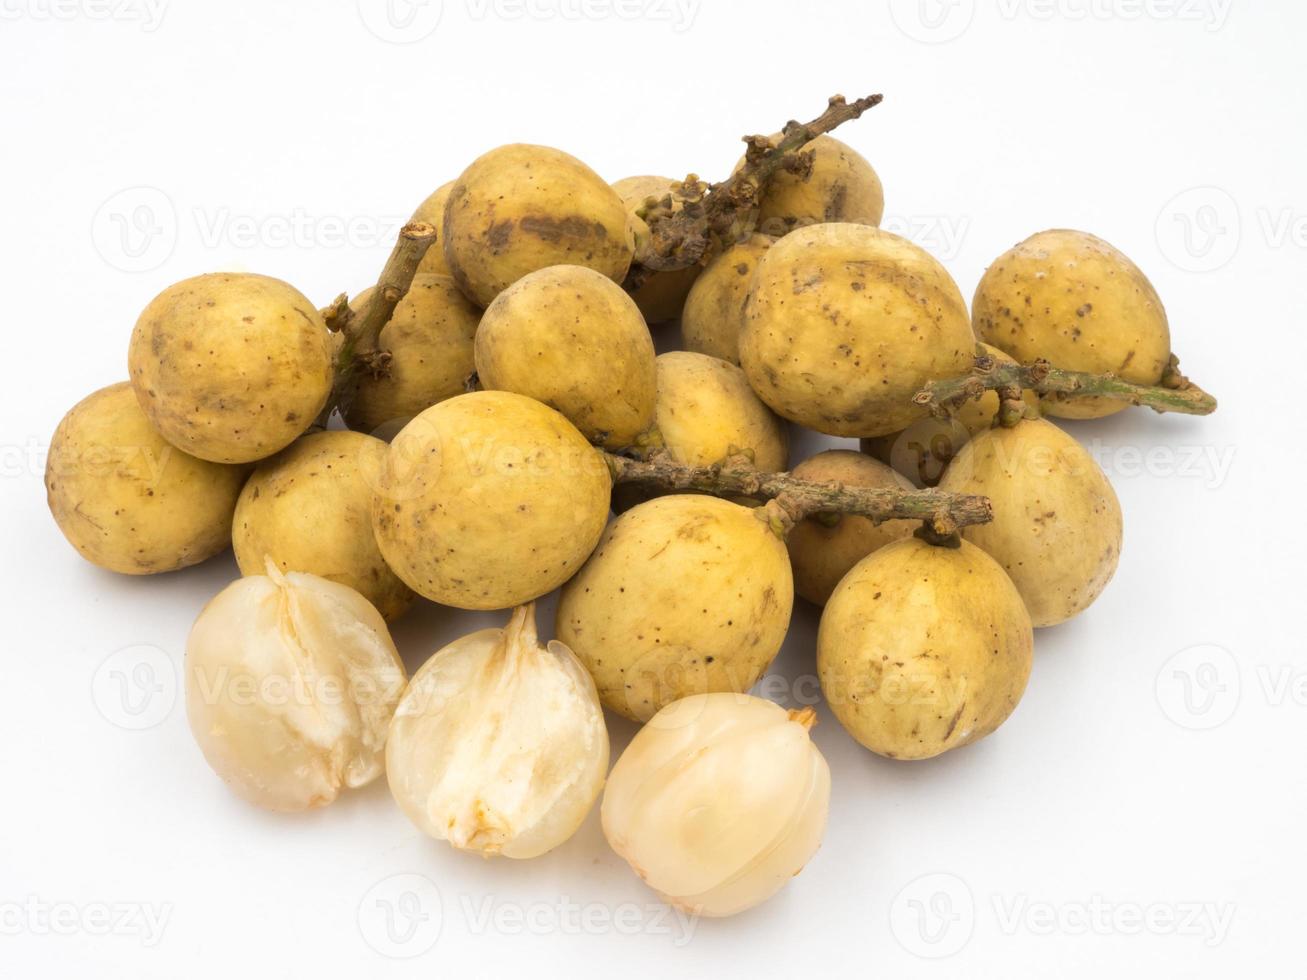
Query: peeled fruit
[[1076, 301], [719, 801], [309, 509], [714, 309], [291, 681], [842, 186], [662, 295], [922, 450], [845, 323], [489, 500], [573, 339], [685, 594], [1057, 523], [499, 745], [231, 367], [129, 501], [429, 338], [432, 212], [825, 546], [520, 208], [923, 648]]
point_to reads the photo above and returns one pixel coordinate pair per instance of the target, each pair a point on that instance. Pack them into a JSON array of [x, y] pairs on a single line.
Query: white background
[[1142, 812]]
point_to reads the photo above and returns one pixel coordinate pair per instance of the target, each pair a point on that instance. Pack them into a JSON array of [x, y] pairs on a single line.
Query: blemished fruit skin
[[845, 323], [662, 295], [841, 187], [573, 339], [820, 554], [685, 594], [922, 450], [489, 500], [231, 367], [1074, 300], [923, 649], [432, 211], [714, 309], [309, 509], [519, 208], [1057, 524], [128, 500], [430, 340]]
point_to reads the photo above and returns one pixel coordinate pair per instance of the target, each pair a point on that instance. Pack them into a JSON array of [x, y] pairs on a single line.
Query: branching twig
[[1176, 393], [682, 230], [737, 477]]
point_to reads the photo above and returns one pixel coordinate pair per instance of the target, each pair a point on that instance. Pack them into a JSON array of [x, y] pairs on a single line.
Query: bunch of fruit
[[501, 397]]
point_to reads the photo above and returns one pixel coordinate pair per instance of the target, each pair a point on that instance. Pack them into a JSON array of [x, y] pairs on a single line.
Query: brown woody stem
[[1176, 393], [681, 231], [737, 477]]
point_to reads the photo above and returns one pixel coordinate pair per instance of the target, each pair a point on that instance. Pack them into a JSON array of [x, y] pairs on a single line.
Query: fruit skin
[[922, 649], [231, 367], [922, 450], [130, 501], [684, 594], [309, 509], [714, 309], [291, 682], [520, 208], [499, 744], [489, 500], [573, 339], [842, 187], [845, 323], [430, 341], [662, 295], [820, 554], [1057, 523], [432, 211], [1076, 301], [718, 802]]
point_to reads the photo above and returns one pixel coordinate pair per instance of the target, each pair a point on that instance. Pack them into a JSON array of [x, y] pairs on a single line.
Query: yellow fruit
[[432, 211], [430, 341], [231, 367], [520, 208], [1076, 301], [842, 186], [821, 553], [129, 501], [309, 509], [845, 323], [923, 649], [1057, 523], [573, 339], [489, 500], [714, 310], [685, 594], [662, 295]]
